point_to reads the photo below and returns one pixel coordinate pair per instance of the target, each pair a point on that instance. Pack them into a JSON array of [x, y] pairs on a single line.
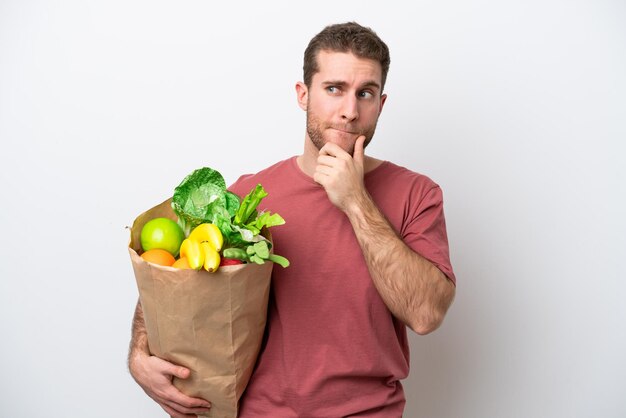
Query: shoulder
[[396, 177], [247, 181]]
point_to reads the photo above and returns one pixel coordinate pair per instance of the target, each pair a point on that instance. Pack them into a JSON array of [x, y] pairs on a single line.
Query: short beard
[[315, 130]]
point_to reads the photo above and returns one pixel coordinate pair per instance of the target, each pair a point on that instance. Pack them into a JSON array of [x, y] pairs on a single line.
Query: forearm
[[139, 336], [414, 290]]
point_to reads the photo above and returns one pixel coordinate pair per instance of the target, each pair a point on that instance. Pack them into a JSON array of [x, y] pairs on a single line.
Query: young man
[[368, 250]]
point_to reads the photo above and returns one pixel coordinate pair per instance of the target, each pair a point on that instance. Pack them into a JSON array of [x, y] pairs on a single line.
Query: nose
[[349, 109]]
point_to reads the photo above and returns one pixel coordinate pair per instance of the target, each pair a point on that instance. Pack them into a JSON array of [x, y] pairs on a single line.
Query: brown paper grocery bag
[[211, 323]]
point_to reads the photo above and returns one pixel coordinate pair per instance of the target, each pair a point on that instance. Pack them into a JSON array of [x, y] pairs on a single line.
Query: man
[[368, 250]]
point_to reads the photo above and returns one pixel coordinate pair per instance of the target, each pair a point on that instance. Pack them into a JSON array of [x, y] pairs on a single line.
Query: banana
[[194, 253], [210, 233], [202, 247], [211, 257]]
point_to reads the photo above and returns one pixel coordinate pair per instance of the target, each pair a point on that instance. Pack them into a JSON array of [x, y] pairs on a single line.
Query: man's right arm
[[155, 375]]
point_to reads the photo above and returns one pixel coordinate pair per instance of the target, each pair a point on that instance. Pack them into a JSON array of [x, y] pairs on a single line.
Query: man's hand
[[341, 174], [154, 375]]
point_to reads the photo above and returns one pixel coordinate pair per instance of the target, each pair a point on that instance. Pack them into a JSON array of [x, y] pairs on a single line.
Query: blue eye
[[332, 89], [366, 94]]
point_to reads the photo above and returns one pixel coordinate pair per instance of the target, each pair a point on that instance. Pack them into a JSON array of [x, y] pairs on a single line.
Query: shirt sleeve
[[425, 231]]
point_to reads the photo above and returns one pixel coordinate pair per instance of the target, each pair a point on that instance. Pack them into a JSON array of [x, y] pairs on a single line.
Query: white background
[[517, 109]]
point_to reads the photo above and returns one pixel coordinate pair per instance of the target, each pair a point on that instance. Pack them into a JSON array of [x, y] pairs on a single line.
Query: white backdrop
[[517, 109]]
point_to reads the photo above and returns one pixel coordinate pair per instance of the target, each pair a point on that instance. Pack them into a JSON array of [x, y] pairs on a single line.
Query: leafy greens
[[202, 197]]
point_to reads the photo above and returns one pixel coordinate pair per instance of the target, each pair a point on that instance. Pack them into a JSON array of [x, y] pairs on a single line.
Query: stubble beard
[[315, 129]]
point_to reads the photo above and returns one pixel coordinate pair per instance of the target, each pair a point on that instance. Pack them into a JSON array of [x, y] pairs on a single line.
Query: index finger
[[187, 401], [178, 410], [332, 149]]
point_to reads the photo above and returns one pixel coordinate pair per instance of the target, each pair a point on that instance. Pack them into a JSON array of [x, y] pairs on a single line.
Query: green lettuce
[[202, 197]]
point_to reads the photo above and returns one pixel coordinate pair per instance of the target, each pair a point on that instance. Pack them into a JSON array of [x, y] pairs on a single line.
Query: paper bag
[[211, 323]]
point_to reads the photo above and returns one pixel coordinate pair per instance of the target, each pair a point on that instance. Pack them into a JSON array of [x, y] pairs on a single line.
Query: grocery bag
[[211, 323]]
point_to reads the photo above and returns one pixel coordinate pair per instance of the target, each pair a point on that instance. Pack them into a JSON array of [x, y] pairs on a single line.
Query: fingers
[[181, 372], [178, 404], [175, 397], [359, 152], [165, 367], [328, 166], [175, 414], [158, 385], [184, 410], [332, 149], [326, 160], [171, 394]]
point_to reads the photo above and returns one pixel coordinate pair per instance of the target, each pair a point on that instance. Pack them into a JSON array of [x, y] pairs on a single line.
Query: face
[[343, 101]]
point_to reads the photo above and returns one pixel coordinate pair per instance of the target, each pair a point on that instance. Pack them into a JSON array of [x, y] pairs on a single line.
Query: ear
[[383, 99], [302, 93]]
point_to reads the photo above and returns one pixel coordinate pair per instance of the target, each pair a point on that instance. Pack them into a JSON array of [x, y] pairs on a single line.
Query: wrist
[[359, 205], [136, 361], [138, 352]]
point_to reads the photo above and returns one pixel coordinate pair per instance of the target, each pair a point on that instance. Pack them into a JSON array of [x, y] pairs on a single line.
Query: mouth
[[343, 131]]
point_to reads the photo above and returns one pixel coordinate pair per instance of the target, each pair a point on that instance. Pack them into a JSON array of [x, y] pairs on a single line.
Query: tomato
[[230, 262]]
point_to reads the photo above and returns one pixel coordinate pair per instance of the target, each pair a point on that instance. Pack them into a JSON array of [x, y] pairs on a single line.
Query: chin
[[345, 141], [347, 146]]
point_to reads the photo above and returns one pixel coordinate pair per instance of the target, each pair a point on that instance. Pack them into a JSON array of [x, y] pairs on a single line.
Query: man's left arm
[[414, 289]]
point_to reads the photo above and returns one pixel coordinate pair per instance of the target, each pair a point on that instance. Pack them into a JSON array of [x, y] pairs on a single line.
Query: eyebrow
[[339, 83]]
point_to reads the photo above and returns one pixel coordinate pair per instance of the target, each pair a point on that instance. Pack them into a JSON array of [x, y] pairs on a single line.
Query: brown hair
[[346, 37]]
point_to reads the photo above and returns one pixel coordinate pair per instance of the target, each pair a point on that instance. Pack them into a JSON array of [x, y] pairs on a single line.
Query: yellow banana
[[211, 257], [210, 233], [194, 253]]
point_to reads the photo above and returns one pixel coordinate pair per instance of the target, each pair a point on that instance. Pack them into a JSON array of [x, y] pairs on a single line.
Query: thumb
[[175, 370], [181, 372], [359, 151]]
